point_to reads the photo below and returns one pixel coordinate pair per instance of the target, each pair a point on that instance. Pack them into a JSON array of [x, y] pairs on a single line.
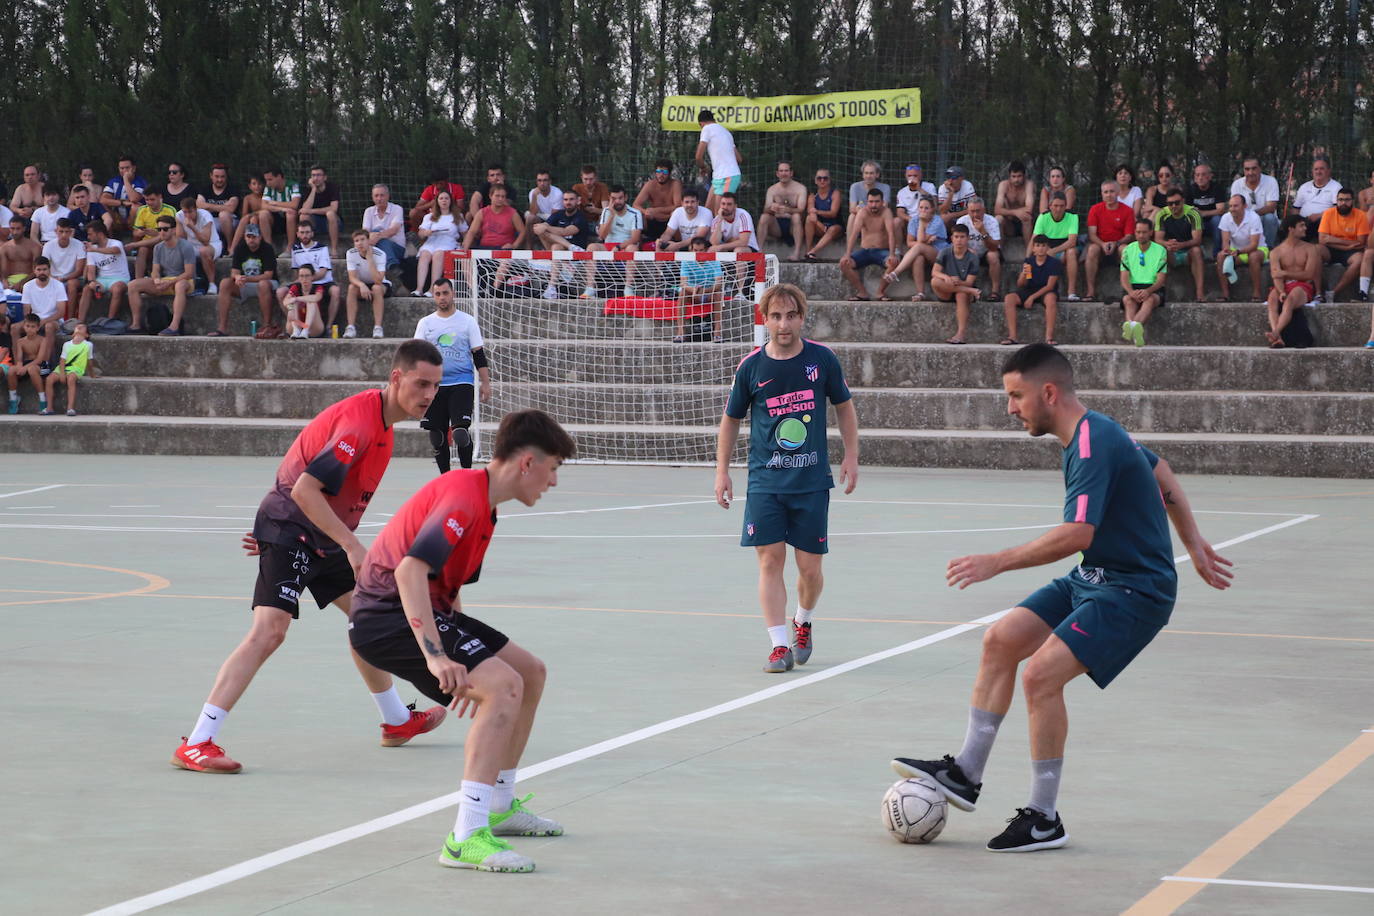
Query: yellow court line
[[1218, 858], [152, 582]]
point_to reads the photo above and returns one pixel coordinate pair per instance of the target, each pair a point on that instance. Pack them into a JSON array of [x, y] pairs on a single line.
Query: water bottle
[[253, 328]]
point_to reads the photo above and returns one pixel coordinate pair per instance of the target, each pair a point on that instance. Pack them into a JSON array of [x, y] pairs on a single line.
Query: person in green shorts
[[76, 356], [1242, 242], [1143, 267], [783, 387], [1061, 228]]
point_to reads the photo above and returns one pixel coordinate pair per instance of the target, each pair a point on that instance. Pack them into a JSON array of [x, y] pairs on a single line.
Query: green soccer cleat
[[520, 822], [483, 852], [1138, 334]]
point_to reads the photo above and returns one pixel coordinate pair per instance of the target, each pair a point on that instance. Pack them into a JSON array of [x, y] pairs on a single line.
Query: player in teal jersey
[[1094, 620], [783, 387]]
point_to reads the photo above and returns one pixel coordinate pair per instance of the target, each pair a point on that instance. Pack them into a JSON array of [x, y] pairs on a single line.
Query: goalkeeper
[[783, 386], [459, 339]]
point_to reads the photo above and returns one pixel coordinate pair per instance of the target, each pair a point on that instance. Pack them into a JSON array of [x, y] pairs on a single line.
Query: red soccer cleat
[[420, 722], [206, 757]]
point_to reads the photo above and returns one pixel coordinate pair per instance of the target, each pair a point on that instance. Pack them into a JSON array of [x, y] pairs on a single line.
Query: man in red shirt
[[438, 181], [1111, 225], [304, 538], [407, 619]]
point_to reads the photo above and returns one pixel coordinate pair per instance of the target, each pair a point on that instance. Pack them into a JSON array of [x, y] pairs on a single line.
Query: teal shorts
[[799, 519], [1104, 625], [725, 185]]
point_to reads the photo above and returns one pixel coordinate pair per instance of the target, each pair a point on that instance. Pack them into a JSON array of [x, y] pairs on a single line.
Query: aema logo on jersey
[[813, 373], [790, 435], [446, 339]]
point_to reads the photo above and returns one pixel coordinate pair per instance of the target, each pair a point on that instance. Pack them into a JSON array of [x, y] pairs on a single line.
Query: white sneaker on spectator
[[1316, 301], [550, 292], [350, 332], [377, 331], [1330, 296], [212, 289], [428, 294]]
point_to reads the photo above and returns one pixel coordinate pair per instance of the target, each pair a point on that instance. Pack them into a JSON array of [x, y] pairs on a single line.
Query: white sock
[[474, 809], [504, 792], [208, 725], [779, 636], [14, 395], [1364, 284], [803, 615], [389, 704]]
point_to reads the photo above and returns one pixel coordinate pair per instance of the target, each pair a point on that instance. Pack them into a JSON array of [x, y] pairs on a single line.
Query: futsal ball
[[914, 810]]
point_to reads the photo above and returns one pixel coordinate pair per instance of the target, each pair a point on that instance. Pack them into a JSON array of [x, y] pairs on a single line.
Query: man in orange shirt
[[1344, 231]]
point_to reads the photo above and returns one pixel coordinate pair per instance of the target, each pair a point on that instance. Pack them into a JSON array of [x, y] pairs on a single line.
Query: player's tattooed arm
[[431, 648], [1169, 498]]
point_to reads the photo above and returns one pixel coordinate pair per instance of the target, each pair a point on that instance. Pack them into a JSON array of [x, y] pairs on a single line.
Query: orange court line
[[1218, 858], [152, 582], [1269, 635]]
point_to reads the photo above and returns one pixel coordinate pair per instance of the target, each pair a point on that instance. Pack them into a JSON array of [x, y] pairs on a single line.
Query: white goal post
[[632, 351]]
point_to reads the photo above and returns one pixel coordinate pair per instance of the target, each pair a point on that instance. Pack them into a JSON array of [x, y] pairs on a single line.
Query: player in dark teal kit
[[783, 388], [1094, 620]]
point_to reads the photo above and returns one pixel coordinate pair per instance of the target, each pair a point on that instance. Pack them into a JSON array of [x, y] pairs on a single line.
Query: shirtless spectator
[[28, 356], [1014, 205], [784, 210], [320, 205], [955, 278], [823, 221], [123, 194], [872, 241], [1110, 227], [985, 241], [496, 175], [249, 208], [1292, 264], [657, 199], [594, 193], [858, 191], [67, 258], [926, 237], [907, 196], [438, 181], [252, 267], [1365, 200], [28, 197], [1343, 232], [281, 203], [1241, 243], [689, 221], [220, 200], [17, 255], [954, 194], [1057, 180]]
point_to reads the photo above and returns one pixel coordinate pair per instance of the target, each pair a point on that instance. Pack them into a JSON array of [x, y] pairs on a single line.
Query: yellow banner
[[796, 112]]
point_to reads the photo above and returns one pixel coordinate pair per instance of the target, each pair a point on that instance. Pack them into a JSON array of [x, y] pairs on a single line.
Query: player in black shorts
[[304, 538], [1119, 500]]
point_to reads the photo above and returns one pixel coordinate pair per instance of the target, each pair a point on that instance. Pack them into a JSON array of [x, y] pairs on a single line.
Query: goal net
[[632, 351]]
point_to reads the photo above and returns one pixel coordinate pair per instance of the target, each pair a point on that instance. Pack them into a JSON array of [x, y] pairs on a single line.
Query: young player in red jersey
[[303, 538], [407, 619]]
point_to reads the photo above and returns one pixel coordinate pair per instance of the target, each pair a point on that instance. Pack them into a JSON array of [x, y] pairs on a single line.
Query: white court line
[[833, 534], [205, 518], [123, 528], [51, 486], [693, 502], [929, 502], [134, 506], [338, 837], [17, 508], [1254, 534], [1280, 884]]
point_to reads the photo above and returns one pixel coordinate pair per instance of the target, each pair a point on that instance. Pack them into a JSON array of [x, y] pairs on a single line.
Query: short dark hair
[[413, 352], [129, 159], [274, 170], [320, 168], [1042, 239], [531, 429], [705, 115], [958, 229], [617, 189], [1059, 195], [589, 168], [442, 281], [438, 174], [1141, 219], [543, 172], [690, 192], [64, 223], [1172, 194], [1016, 166], [729, 195], [1289, 222], [1343, 192], [51, 189], [1123, 167], [1040, 361], [41, 261], [153, 189], [30, 318], [875, 192], [705, 242], [1166, 164], [78, 188], [98, 226], [168, 221], [496, 167]]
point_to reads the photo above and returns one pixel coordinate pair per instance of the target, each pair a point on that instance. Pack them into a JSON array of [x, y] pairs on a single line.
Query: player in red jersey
[[303, 538], [407, 619]]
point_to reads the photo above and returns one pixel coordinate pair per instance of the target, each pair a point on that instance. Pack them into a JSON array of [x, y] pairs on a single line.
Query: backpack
[[157, 317], [1298, 334]]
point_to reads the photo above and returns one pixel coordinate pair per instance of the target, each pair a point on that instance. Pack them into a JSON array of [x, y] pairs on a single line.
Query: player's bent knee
[[461, 437]]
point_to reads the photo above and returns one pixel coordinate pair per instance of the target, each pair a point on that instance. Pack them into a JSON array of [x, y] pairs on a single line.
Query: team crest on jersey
[[813, 373], [750, 528], [345, 451]]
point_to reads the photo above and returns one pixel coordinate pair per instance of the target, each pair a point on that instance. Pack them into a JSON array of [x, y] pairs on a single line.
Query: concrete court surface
[[1233, 748]]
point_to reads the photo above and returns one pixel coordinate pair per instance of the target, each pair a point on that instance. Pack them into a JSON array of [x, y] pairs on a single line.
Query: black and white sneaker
[[1028, 831], [947, 774]]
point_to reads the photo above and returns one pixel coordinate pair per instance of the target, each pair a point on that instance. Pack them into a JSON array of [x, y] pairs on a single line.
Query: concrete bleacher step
[[1210, 453], [1181, 323], [641, 363], [1244, 412]]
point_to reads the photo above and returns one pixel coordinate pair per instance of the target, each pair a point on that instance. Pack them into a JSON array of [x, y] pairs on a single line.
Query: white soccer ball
[[914, 810]]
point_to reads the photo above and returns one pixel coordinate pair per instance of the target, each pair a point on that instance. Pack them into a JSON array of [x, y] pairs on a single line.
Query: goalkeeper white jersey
[[456, 337]]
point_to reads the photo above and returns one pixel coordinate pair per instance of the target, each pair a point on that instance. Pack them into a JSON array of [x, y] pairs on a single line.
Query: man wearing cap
[[907, 196], [251, 268], [955, 193]]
